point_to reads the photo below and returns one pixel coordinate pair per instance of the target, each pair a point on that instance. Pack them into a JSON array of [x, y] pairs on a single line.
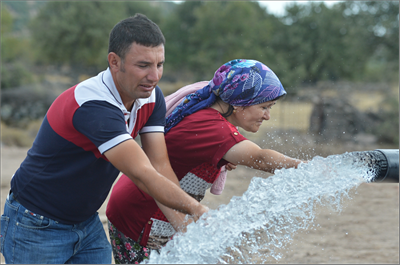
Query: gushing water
[[263, 220]]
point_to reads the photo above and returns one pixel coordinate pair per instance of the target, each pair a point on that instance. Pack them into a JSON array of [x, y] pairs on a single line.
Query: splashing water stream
[[268, 214]]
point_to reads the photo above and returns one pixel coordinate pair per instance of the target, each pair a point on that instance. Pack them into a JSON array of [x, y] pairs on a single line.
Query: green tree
[[22, 13], [203, 35], [156, 11], [76, 33], [226, 31], [317, 43], [176, 28], [15, 57], [377, 25]]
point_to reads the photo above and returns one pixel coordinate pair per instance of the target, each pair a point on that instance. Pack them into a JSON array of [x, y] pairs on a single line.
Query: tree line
[[351, 40]]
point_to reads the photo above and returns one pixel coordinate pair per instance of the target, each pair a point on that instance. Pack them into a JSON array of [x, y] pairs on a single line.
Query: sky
[[278, 7]]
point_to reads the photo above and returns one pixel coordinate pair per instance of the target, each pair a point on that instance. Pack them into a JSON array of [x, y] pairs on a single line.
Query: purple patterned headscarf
[[239, 83]]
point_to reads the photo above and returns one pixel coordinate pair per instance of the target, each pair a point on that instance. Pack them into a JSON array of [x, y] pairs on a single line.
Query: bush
[[15, 136], [22, 105], [388, 130]]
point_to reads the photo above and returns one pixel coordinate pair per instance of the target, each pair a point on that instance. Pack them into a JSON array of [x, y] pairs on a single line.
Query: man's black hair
[[138, 29]]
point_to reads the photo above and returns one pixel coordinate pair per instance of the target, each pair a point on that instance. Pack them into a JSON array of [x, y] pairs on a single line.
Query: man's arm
[[129, 158], [156, 150]]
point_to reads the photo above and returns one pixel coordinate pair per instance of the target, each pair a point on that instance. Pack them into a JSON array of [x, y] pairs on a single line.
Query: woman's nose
[[267, 115]]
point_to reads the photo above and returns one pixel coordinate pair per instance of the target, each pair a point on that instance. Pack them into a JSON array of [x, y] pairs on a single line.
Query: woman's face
[[250, 118]]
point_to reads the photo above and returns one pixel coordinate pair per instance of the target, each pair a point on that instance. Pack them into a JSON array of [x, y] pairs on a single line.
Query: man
[[86, 139]]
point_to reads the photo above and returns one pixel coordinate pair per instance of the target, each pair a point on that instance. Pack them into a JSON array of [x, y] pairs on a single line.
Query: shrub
[[15, 136], [388, 130]]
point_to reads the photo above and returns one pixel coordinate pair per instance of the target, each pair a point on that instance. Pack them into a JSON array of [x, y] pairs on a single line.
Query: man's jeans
[[27, 237]]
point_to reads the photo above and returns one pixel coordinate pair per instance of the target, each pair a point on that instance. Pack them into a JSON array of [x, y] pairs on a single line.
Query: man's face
[[139, 73]]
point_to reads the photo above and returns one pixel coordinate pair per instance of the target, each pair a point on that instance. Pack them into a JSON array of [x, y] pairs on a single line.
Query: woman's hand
[[230, 166]]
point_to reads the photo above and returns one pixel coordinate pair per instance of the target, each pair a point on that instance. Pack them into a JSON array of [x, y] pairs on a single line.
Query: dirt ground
[[366, 231]]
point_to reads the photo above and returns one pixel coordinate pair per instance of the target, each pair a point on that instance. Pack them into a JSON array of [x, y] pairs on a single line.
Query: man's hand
[[200, 211], [178, 220]]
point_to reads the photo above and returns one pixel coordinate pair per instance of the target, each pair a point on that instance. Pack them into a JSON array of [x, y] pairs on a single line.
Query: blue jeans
[[27, 237]]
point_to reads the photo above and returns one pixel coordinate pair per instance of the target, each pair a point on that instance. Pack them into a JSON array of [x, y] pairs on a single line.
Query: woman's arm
[[250, 154]]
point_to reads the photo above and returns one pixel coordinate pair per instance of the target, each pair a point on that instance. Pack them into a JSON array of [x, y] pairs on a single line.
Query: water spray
[[261, 223]]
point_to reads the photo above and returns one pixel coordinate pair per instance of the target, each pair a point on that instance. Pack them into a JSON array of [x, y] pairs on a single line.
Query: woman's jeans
[[27, 237]]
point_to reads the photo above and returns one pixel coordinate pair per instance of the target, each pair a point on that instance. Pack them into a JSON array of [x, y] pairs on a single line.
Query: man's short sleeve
[[102, 123], [156, 121]]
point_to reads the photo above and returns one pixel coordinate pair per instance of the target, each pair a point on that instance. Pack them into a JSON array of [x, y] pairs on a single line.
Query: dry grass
[[370, 101], [289, 116]]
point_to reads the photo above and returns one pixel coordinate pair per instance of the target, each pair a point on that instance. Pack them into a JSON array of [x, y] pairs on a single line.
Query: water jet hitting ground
[[273, 209]]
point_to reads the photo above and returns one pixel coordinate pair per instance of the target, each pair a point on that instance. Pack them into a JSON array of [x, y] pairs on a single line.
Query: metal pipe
[[392, 170], [384, 163]]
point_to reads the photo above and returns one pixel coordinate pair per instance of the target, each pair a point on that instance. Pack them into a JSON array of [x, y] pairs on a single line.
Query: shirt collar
[[108, 81]]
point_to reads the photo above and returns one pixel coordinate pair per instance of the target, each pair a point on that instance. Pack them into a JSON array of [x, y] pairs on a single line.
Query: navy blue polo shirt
[[65, 175]]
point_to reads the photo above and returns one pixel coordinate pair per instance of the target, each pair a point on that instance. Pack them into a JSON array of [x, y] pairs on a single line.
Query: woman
[[202, 136]]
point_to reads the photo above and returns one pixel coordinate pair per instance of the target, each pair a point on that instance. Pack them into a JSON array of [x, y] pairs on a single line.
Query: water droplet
[[251, 229]]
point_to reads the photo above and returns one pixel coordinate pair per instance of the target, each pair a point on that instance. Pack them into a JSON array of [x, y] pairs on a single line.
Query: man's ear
[[114, 61]]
